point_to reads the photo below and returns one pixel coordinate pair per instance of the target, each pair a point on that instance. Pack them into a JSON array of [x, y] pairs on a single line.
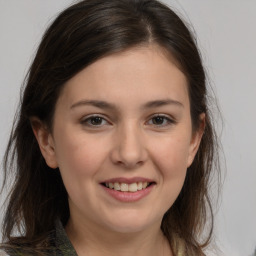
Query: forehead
[[142, 73]]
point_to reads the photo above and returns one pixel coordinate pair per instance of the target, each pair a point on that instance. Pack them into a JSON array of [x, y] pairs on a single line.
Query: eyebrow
[[110, 106], [160, 103], [95, 103]]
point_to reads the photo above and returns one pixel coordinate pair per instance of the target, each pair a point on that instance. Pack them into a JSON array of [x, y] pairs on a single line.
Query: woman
[[113, 145]]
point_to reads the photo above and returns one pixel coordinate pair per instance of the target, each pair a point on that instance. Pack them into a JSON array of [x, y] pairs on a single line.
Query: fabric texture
[[60, 245], [63, 244]]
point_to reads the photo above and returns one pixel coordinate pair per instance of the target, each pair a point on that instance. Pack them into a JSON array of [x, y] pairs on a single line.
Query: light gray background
[[226, 32]]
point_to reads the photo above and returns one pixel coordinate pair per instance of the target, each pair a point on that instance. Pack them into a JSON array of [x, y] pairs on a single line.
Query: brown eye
[[96, 121], [160, 121]]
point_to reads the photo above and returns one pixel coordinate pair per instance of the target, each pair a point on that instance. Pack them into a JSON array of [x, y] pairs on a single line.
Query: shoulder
[[178, 244], [180, 247]]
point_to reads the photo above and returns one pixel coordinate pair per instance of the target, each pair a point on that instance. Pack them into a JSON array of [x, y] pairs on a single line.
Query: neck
[[96, 241]]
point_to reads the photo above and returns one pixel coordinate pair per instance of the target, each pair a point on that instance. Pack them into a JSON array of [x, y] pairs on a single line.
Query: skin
[[127, 142]]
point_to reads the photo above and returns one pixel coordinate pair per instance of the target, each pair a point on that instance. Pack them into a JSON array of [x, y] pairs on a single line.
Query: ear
[[45, 142], [196, 139]]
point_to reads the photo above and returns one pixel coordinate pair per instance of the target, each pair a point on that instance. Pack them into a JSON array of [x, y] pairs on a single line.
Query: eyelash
[[169, 121], [90, 118], [88, 121]]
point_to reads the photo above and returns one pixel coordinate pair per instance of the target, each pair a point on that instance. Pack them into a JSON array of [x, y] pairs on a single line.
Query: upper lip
[[128, 180]]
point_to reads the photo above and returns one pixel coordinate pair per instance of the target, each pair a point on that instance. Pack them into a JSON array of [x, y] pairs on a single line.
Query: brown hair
[[80, 35]]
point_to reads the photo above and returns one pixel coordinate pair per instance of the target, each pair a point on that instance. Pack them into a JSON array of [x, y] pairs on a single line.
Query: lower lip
[[128, 196]]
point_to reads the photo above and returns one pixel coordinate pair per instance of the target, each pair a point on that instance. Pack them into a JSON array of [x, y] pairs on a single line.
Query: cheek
[[80, 160], [171, 156], [78, 156], [171, 161]]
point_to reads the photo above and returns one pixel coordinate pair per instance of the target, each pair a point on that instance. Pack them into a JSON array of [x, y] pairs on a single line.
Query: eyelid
[[171, 120], [84, 120]]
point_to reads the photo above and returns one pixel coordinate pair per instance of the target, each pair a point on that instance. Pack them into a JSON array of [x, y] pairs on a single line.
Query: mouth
[[128, 187]]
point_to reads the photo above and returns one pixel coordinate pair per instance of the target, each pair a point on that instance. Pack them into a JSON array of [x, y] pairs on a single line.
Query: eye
[[161, 121], [94, 121]]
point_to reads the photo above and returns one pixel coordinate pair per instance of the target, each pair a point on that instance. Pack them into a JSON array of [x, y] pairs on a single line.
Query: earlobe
[[196, 140], [45, 142]]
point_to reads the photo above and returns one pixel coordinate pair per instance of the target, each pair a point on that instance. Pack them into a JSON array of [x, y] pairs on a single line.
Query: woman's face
[[123, 122]]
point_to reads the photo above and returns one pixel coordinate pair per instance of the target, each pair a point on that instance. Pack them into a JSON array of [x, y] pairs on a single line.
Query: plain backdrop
[[226, 34]]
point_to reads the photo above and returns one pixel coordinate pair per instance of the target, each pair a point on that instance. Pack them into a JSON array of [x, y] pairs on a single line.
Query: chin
[[128, 229], [132, 224]]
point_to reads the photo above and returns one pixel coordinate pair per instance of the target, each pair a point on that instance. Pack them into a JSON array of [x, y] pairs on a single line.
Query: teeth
[[117, 186], [133, 187], [124, 187]]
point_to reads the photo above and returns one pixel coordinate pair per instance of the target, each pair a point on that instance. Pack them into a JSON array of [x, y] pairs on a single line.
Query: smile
[[128, 189], [125, 187]]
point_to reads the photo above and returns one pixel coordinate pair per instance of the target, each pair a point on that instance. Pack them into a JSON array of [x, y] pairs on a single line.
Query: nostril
[[129, 164]]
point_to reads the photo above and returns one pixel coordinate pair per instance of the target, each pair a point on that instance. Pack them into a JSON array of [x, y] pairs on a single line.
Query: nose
[[129, 149]]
